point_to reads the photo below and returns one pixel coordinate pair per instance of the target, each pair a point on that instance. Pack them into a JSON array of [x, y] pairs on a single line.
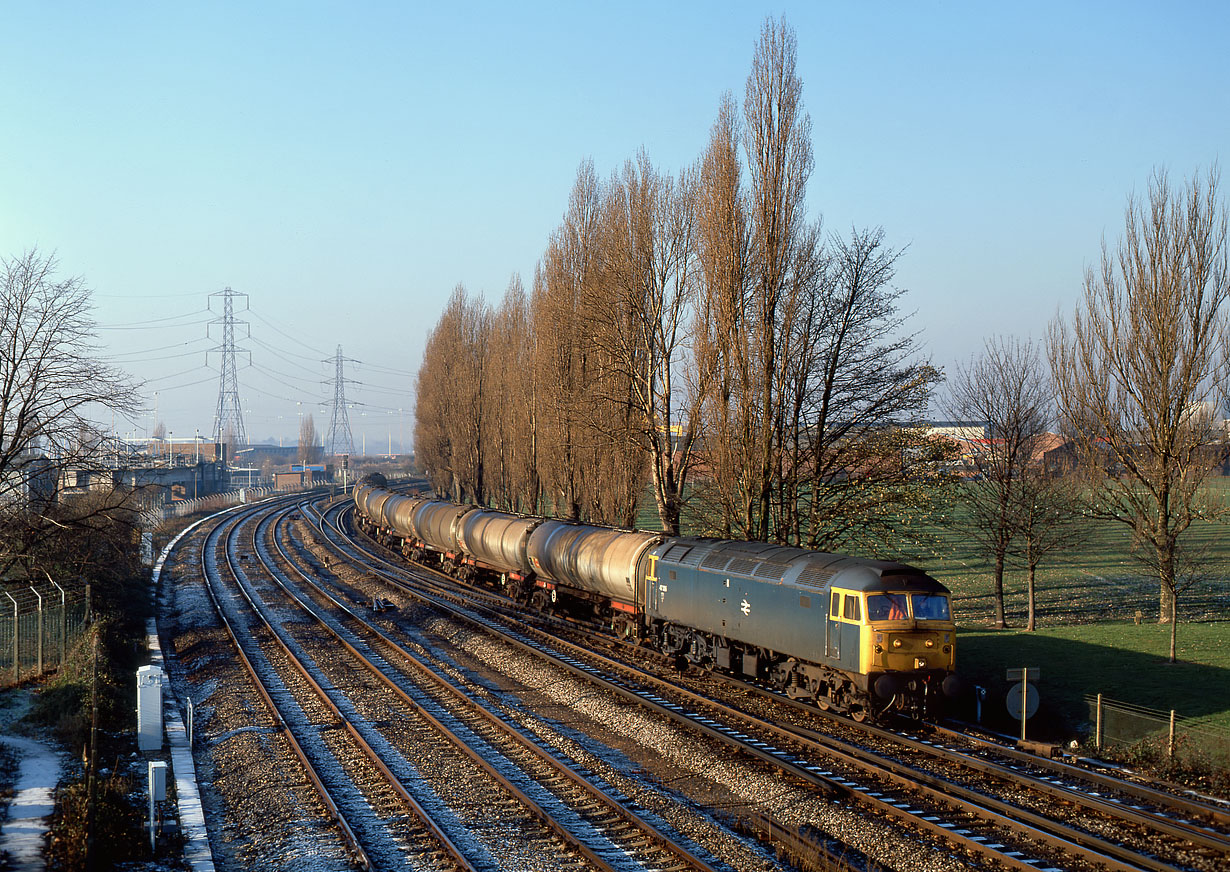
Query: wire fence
[[39, 625], [1186, 741], [213, 502]]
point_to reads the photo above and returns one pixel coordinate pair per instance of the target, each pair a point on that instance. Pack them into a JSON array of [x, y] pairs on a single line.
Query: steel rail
[[331, 806], [663, 840]]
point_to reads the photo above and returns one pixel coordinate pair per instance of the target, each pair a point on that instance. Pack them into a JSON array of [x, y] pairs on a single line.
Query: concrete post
[[39, 643]]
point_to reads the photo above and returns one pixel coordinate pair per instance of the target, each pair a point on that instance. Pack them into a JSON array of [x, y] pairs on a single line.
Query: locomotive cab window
[[852, 610], [930, 607], [835, 605], [888, 607]]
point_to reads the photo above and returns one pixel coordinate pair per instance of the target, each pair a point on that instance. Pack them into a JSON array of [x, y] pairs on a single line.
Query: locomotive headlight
[[946, 648], [896, 643], [930, 643], [879, 649]]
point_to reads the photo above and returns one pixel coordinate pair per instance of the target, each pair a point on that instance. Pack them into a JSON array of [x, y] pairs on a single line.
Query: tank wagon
[[863, 637]]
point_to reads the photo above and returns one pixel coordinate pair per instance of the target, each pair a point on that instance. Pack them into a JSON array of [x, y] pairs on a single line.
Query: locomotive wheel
[[823, 701], [858, 714]]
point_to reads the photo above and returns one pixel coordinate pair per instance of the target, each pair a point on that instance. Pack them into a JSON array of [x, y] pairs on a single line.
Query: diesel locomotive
[[863, 637]]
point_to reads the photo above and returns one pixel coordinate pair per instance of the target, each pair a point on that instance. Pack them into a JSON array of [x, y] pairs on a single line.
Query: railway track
[[367, 717], [1048, 821], [352, 794]]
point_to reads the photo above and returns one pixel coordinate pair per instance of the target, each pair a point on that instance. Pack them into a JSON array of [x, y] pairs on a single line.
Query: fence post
[[1170, 745], [63, 625], [39, 644], [16, 647], [1097, 737]]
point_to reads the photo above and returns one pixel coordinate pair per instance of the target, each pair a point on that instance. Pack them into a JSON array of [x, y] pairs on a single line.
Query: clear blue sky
[[347, 164]]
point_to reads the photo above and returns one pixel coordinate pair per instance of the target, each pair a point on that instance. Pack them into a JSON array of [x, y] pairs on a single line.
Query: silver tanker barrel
[[497, 539], [437, 523], [397, 514], [374, 504], [360, 499], [596, 559]]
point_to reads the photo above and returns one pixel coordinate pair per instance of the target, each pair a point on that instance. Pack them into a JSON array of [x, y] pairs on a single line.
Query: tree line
[[697, 333], [699, 336]]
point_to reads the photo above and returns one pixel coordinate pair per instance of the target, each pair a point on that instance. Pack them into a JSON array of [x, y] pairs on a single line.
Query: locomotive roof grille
[[771, 570], [678, 552], [815, 576]]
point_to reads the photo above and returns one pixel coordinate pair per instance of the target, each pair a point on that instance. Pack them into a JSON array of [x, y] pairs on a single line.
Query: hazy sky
[[346, 165]]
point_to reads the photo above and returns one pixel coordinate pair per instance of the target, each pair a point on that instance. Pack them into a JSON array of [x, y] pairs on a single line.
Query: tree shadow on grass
[[1071, 670]]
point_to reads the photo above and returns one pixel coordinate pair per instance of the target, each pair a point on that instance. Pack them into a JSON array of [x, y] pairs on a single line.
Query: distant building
[[29, 481]]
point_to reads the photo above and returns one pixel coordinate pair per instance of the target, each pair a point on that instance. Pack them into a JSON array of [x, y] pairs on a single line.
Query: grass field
[[1088, 642]]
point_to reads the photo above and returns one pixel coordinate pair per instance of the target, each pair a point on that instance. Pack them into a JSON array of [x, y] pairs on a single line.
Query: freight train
[[862, 637]]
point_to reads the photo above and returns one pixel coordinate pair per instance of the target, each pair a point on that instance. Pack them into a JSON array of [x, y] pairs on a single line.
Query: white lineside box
[[149, 708]]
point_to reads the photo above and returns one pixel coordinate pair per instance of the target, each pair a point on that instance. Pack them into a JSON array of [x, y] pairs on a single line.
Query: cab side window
[[852, 610], [835, 605]]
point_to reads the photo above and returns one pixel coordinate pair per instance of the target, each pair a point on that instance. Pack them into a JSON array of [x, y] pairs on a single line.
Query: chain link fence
[[39, 624], [1187, 741], [211, 503]]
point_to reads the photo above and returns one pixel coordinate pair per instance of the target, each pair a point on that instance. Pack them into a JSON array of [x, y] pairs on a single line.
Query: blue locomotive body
[[820, 626]]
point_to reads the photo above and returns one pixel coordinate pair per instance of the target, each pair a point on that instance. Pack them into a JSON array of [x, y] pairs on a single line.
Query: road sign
[[1028, 693], [1018, 674]]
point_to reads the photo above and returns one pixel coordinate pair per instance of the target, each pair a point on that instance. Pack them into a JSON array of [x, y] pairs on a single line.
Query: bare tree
[[309, 442], [50, 382], [1007, 389], [777, 143], [564, 365], [1049, 519], [720, 332], [450, 433], [638, 318], [1142, 366], [509, 404], [855, 389]]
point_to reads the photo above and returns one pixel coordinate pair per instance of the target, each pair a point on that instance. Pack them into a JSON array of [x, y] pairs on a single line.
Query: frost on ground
[[31, 770]]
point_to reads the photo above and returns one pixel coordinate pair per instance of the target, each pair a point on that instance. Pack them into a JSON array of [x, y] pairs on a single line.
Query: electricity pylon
[[228, 420], [341, 441]]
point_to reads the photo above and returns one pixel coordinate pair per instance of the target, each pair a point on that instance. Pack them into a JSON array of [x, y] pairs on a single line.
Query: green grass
[[1087, 642]]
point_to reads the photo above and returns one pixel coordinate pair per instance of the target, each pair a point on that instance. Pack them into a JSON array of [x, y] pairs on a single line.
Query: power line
[[152, 350], [145, 325], [278, 329]]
